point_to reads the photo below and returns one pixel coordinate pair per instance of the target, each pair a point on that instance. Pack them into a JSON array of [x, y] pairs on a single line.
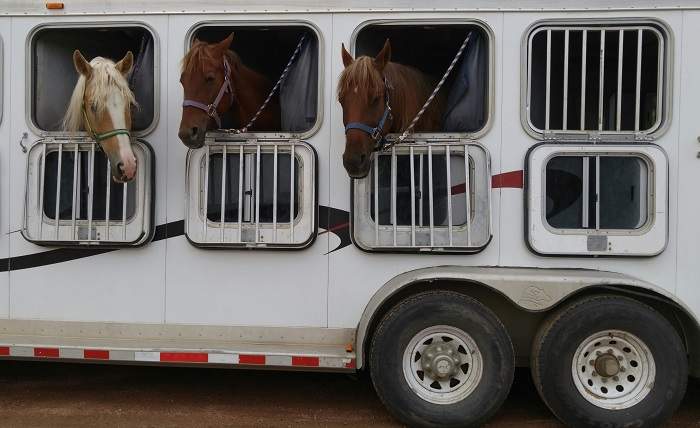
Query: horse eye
[[375, 100], [93, 107], [209, 78]]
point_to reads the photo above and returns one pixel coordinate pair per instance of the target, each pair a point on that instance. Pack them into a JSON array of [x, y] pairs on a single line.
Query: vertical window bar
[[566, 80], [257, 193], [125, 191], [223, 191], [659, 81], [420, 190], [274, 193], [393, 191], [548, 80], [58, 188], [638, 87], [620, 51], [76, 188], [467, 195], [107, 202], [448, 174], [597, 192], [376, 199], [430, 195], [584, 43], [413, 198], [91, 189], [601, 80], [240, 193], [206, 190], [41, 190], [585, 192], [292, 193]]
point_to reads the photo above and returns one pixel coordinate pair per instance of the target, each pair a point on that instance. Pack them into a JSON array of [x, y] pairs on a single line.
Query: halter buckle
[[211, 110]]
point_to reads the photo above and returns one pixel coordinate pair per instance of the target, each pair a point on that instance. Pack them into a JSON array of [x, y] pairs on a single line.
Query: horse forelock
[[361, 77], [200, 52]]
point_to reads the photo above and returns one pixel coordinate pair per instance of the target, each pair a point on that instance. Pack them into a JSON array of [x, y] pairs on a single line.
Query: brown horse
[[368, 89], [101, 105], [217, 84]]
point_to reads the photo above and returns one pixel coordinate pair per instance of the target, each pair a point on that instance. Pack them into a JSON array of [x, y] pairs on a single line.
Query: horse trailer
[[544, 219]]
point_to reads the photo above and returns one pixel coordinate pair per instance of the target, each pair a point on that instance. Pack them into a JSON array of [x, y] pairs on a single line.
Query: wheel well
[[523, 324]]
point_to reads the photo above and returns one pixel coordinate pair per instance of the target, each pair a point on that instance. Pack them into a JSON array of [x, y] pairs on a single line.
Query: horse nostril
[[363, 157], [120, 167], [195, 131]]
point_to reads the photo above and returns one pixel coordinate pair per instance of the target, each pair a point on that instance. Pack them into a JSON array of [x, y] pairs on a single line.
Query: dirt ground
[[50, 394]]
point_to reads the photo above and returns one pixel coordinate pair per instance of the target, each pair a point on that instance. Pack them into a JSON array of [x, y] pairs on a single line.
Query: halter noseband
[[376, 133], [99, 137], [210, 109]]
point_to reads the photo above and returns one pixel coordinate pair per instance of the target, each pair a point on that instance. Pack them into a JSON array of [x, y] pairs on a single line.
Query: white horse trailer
[[554, 223]]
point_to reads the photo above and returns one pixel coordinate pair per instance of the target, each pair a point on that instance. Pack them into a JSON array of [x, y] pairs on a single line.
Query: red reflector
[[351, 364], [46, 352], [96, 354], [251, 359], [54, 6], [184, 357], [4, 351], [305, 361]]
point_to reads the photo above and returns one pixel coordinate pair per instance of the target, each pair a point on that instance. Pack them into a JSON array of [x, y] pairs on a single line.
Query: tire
[[593, 362], [474, 380]]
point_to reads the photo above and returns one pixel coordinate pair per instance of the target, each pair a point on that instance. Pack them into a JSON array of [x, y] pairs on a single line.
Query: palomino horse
[[381, 97], [101, 105], [216, 83]]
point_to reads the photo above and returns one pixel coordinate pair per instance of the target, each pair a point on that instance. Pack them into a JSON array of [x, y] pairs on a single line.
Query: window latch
[[21, 142]]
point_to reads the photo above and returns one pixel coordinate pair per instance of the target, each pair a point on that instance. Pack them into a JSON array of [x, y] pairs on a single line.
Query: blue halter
[[377, 132]]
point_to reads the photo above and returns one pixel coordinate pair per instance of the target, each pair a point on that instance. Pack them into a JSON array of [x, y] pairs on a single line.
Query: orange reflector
[[54, 6], [348, 347]]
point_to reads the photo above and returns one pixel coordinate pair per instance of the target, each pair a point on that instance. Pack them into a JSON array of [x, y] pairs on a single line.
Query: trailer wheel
[[609, 361], [440, 358]]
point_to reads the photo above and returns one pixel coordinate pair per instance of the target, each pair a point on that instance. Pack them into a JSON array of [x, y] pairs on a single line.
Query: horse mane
[[104, 79], [408, 90]]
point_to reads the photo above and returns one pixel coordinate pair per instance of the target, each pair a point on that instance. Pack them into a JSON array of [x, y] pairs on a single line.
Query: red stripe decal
[[184, 357], [350, 365], [251, 359], [46, 352], [305, 361], [4, 351], [512, 179], [95, 354]]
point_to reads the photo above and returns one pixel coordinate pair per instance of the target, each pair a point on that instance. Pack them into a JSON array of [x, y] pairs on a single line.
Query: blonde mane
[[105, 79]]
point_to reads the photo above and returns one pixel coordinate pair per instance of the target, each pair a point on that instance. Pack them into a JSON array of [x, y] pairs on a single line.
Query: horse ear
[[347, 58], [384, 56], [81, 65], [225, 44], [124, 66]]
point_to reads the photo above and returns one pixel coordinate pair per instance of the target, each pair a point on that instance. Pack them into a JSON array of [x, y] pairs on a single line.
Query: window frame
[[488, 32], [29, 64], [189, 36], [35, 218], [198, 224], [648, 240], [362, 224], [665, 69]]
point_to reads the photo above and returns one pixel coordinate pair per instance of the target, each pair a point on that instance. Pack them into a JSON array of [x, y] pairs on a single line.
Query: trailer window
[[299, 92], [73, 200], [251, 195], [54, 76], [608, 196], [430, 48], [603, 80], [424, 197]]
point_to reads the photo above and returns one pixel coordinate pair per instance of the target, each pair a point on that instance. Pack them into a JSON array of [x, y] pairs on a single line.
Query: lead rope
[[415, 120], [274, 88]]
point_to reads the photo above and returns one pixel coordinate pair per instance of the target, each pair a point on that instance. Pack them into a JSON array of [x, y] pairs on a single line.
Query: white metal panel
[[6, 141]]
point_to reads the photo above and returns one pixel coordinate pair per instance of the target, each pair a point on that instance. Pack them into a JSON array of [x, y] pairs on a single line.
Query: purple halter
[[210, 109]]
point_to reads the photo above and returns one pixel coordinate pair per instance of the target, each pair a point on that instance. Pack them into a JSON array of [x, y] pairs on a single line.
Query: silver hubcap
[[442, 364], [613, 369]]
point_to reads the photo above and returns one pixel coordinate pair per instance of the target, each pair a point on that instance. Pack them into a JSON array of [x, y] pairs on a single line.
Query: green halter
[[103, 136]]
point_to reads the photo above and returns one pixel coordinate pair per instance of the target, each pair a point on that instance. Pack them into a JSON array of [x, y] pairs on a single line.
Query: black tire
[[561, 335], [440, 308]]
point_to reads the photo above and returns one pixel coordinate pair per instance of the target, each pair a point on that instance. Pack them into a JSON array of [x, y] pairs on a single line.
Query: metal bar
[[430, 195], [659, 82], [393, 191], [125, 193], [41, 190], [376, 199], [584, 42], [292, 194], [637, 99], [76, 188], [597, 192], [467, 195], [58, 188], [565, 100], [585, 200], [91, 189], [548, 80], [620, 51], [420, 190], [413, 199], [601, 80], [257, 193], [206, 192], [223, 192], [448, 173], [107, 199], [240, 193], [274, 194]]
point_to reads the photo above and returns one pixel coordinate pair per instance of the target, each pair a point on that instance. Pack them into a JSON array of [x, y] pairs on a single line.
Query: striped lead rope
[[415, 120], [274, 88]]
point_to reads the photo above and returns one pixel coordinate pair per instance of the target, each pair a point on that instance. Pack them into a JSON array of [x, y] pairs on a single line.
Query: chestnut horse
[[381, 97], [217, 85], [101, 105]]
